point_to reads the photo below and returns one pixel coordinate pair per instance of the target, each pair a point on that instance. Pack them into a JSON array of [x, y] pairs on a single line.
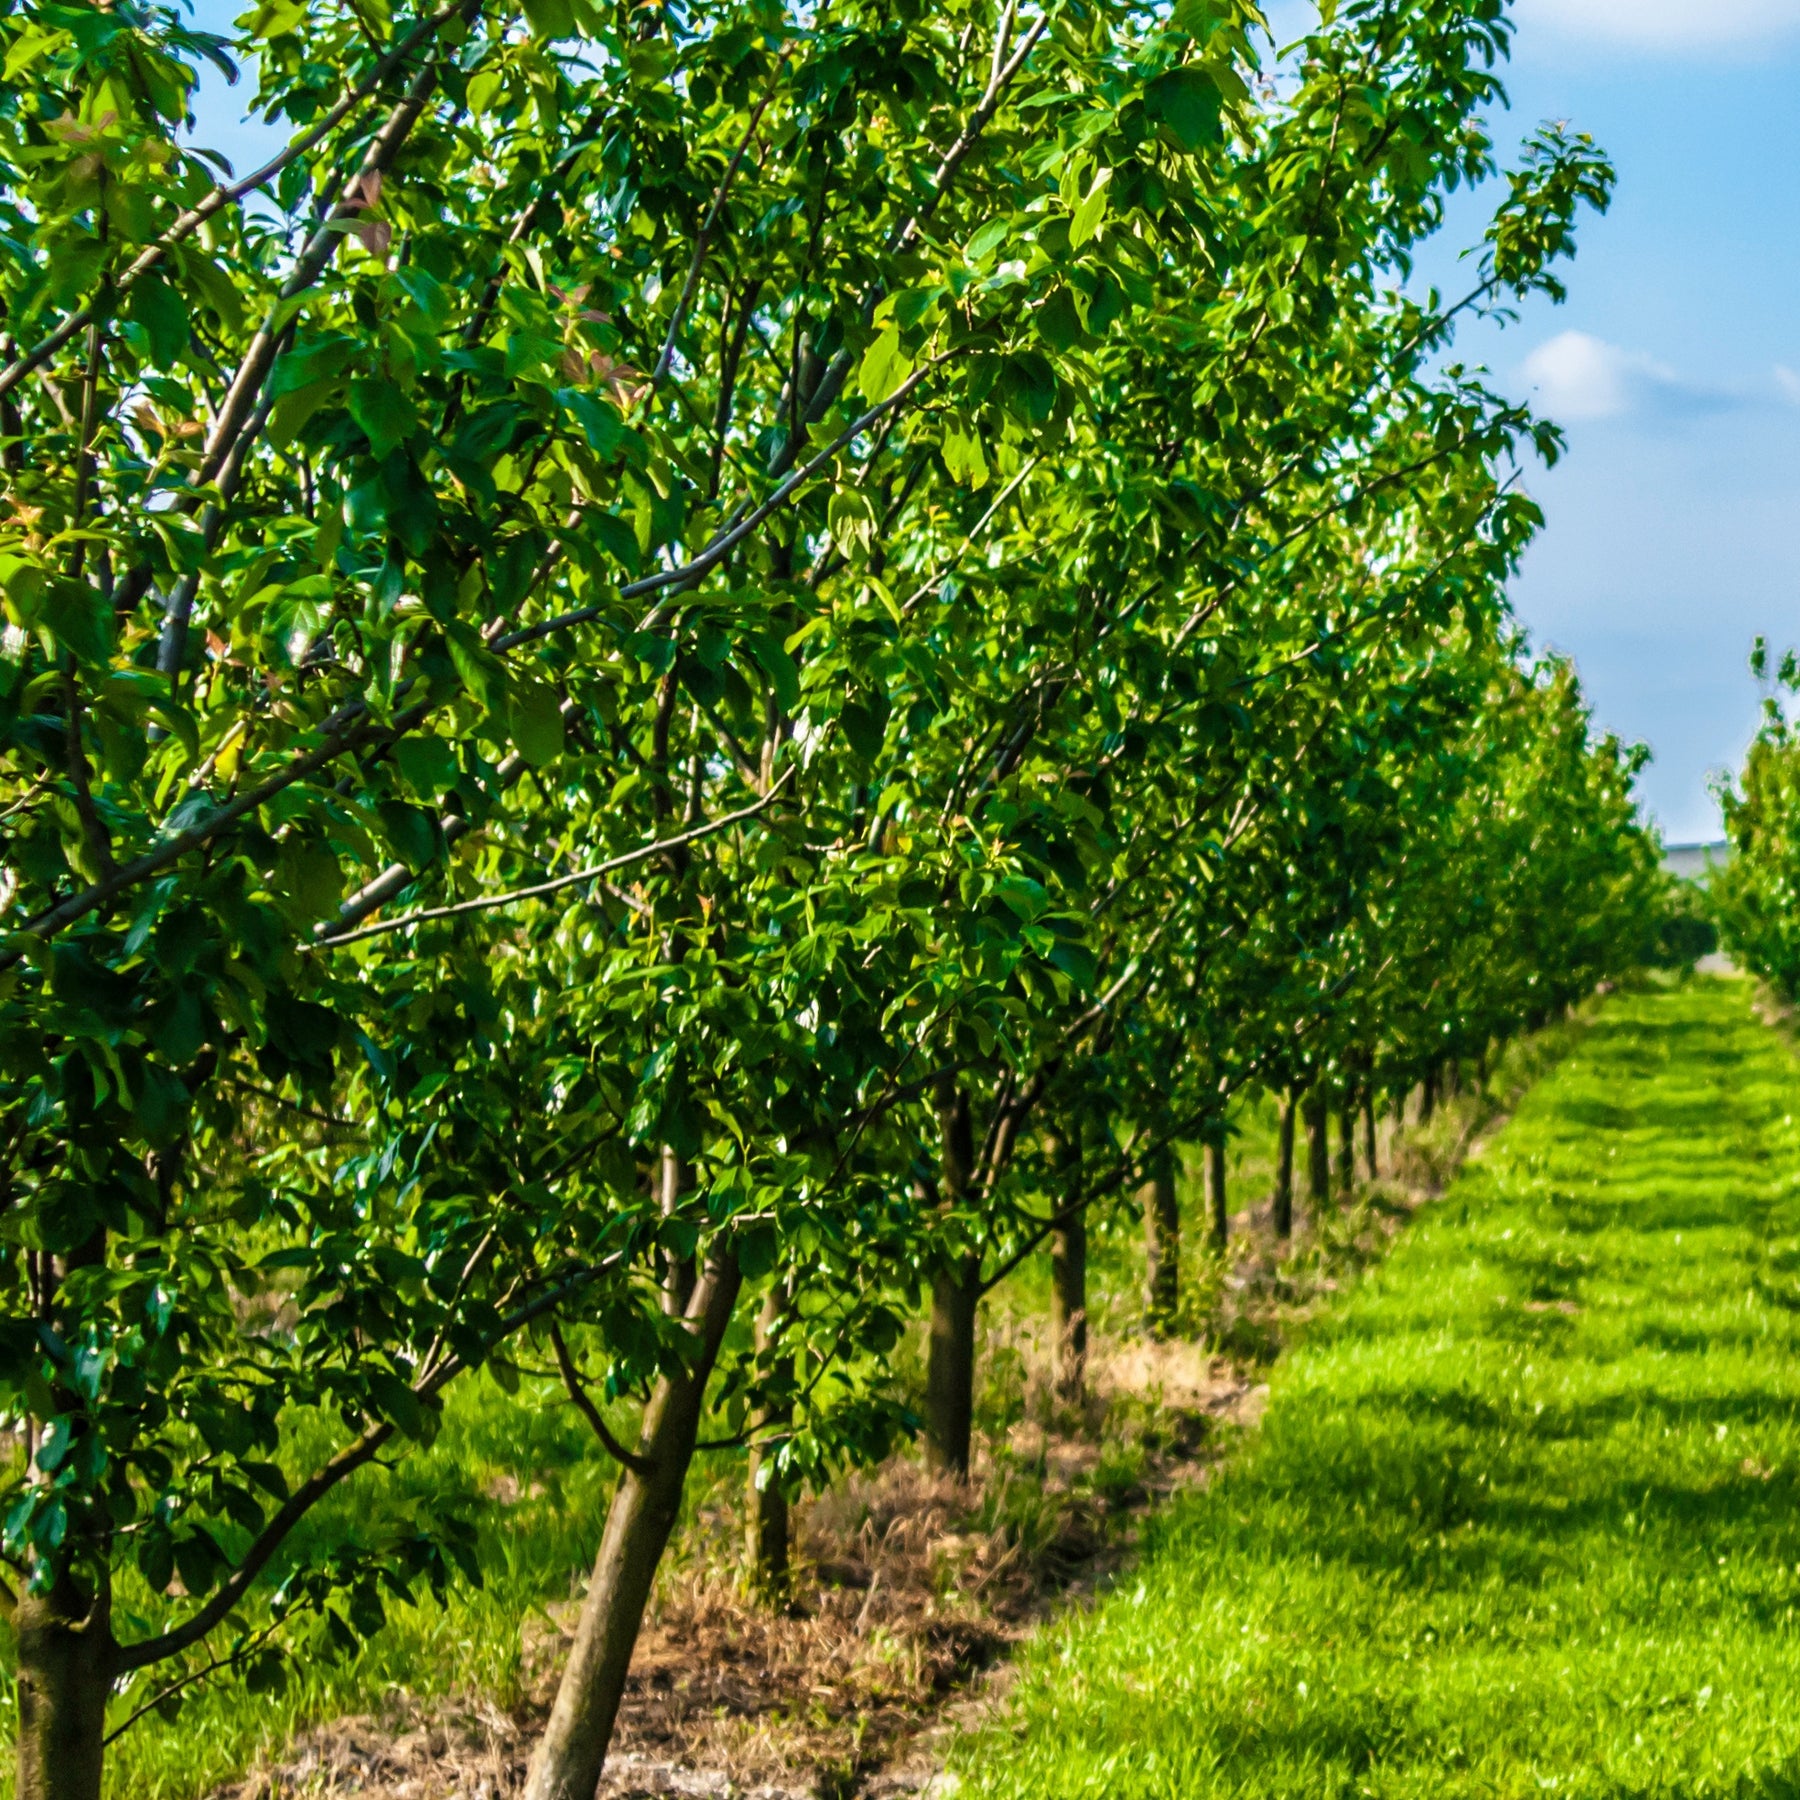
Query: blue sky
[[1675, 365], [1675, 368]]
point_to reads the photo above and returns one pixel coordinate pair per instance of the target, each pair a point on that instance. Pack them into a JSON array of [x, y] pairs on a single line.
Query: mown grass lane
[[1524, 1515]]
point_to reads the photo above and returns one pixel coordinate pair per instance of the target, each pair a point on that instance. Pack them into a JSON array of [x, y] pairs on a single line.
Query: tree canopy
[[654, 660]]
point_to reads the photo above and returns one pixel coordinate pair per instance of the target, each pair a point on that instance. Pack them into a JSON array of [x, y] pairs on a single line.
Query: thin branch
[[349, 728], [999, 79], [243, 412], [335, 1470], [700, 243], [190, 221], [727, 539], [188, 1680], [293, 1106], [571, 1379], [543, 888]]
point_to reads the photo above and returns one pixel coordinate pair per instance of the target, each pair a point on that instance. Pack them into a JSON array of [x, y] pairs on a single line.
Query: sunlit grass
[[526, 1472], [1522, 1519]]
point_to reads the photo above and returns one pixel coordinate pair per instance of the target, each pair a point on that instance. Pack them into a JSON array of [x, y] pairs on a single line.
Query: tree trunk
[[1217, 1200], [1068, 1280], [955, 1300], [950, 1367], [644, 1508], [768, 1545], [1346, 1155], [1318, 1151], [1428, 1094], [1284, 1169], [1371, 1160], [1162, 1244], [678, 1276], [66, 1655]]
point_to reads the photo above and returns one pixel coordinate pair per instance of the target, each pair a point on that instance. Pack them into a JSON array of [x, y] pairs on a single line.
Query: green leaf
[[1091, 211], [1059, 322], [411, 832], [217, 289], [1186, 103], [616, 537], [293, 410], [481, 672], [965, 458], [551, 19], [1077, 962], [394, 1401], [384, 413], [783, 672], [276, 18], [427, 762], [988, 238], [600, 424], [80, 620], [884, 366], [537, 722], [162, 1106], [864, 727], [156, 1559], [307, 876], [528, 352], [155, 305]]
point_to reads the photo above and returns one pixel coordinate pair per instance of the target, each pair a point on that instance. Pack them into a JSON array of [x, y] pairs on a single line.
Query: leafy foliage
[[674, 634]]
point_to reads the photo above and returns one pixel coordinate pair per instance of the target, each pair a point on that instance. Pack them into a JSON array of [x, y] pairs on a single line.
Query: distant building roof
[[1694, 862]]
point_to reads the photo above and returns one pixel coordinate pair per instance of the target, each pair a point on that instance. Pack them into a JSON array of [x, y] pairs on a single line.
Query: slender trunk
[[66, 1654], [570, 1756], [955, 1300], [768, 1547], [1346, 1154], [1284, 1169], [1068, 1309], [678, 1276], [1068, 1280], [1216, 1196], [1452, 1077], [950, 1367], [1371, 1160], [1428, 1094], [1162, 1244], [1318, 1151]]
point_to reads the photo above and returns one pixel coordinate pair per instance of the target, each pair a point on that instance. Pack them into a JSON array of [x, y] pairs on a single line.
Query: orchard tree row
[[676, 688], [1754, 899]]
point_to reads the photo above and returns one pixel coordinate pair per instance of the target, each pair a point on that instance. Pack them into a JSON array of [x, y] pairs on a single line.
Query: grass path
[[1524, 1516]]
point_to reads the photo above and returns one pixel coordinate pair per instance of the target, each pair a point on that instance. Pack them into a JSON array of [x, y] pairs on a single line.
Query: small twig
[[175, 1687], [571, 1379], [543, 888], [190, 221], [306, 1112], [700, 243]]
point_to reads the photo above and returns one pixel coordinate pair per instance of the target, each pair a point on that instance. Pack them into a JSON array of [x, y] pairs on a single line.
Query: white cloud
[[1787, 384], [1576, 376], [1677, 25]]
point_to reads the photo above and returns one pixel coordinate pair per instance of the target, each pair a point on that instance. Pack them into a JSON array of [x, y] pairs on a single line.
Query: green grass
[[1522, 1518], [527, 1473]]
